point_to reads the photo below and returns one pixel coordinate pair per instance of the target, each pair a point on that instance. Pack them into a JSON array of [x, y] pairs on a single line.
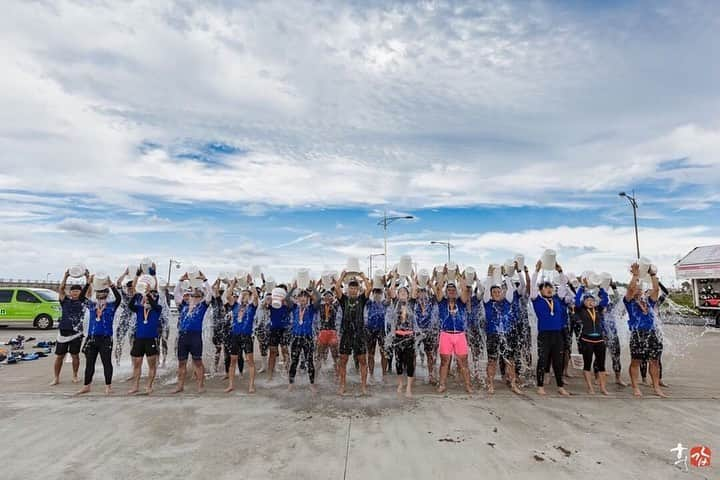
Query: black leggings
[[589, 350], [551, 349], [404, 348], [95, 346], [306, 345]]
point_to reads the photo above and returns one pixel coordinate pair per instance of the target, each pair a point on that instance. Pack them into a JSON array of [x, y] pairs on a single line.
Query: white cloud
[[82, 227]]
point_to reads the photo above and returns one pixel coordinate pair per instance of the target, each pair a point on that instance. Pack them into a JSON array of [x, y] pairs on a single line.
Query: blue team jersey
[[192, 321], [303, 326], [243, 318], [102, 324], [637, 319], [451, 319]]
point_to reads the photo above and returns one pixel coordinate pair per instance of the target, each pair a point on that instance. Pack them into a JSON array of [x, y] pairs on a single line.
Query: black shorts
[[97, 344], [503, 345], [645, 345], [279, 336], [190, 343], [144, 347], [375, 337], [353, 342], [72, 347], [220, 334], [241, 344]]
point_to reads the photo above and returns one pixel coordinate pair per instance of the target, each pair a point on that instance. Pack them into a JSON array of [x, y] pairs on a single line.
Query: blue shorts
[[190, 343]]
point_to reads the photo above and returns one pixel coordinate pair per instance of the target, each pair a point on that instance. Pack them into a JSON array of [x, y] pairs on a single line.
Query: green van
[[38, 307]]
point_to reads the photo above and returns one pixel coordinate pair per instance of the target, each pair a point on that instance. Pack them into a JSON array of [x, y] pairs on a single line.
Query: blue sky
[[231, 134]]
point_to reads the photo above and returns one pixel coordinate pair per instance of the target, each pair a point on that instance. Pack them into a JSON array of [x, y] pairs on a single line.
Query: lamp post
[[387, 221], [170, 264], [47, 277], [633, 203], [447, 244], [371, 256]]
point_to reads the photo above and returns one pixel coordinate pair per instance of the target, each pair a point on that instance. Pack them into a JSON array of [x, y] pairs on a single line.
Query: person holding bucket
[[100, 331], [551, 310], [353, 339], [452, 317], [242, 319], [303, 333], [591, 316], [375, 324], [327, 337], [70, 327], [645, 343], [403, 326], [148, 328], [426, 318]]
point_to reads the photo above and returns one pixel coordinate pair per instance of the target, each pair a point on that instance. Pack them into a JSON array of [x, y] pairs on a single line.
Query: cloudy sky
[[227, 133]]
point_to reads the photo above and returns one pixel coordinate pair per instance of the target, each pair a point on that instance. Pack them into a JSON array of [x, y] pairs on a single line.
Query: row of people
[[446, 318]]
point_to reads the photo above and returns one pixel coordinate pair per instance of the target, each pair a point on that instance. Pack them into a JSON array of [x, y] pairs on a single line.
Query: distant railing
[[19, 282]]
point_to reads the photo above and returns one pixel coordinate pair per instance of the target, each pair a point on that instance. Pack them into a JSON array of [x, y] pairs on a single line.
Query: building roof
[[701, 262]]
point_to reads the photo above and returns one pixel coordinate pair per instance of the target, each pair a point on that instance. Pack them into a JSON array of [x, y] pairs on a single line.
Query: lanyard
[[593, 315], [99, 311], [302, 314], [551, 305]]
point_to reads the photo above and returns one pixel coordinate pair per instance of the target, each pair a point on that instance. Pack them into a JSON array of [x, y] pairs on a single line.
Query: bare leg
[[231, 373], [465, 372], [431, 365], [619, 380], [401, 384], [634, 371], [408, 392], [654, 369], [444, 367], [371, 360], [152, 372], [335, 355], [588, 382], [271, 362], [343, 373], [200, 370], [510, 369], [57, 368], [363, 373], [603, 383], [182, 372], [137, 369], [491, 369], [250, 364], [75, 367]]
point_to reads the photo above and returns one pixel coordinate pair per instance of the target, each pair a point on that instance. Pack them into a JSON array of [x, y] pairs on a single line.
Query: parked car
[[38, 307]]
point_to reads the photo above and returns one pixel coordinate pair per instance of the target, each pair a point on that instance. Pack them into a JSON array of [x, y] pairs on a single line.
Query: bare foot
[[149, 389], [83, 390], [605, 392], [408, 394], [179, 389], [541, 391], [133, 391], [363, 390], [442, 389], [591, 391], [400, 389], [563, 392], [490, 388], [129, 379], [290, 387], [76, 380], [251, 390], [516, 390], [201, 390], [55, 382], [108, 389], [663, 384], [229, 389], [637, 392], [469, 390], [341, 390], [313, 389], [225, 377], [660, 393], [620, 382]]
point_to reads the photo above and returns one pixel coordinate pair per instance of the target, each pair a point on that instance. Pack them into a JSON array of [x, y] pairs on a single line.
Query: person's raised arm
[[655, 291], [488, 286], [122, 277], [563, 290], [84, 291], [634, 280], [88, 290], [368, 285], [509, 290], [338, 285], [413, 287], [63, 284], [533, 281], [254, 297], [178, 293], [579, 295], [522, 290], [438, 290], [604, 298], [464, 294], [116, 294]]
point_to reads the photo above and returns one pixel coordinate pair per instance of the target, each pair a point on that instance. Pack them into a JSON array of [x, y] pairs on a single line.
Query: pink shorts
[[453, 343]]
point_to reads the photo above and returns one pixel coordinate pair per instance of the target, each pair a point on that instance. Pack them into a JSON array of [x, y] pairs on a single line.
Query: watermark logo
[[699, 456]]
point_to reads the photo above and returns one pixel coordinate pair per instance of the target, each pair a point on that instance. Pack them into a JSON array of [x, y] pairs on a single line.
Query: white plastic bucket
[[196, 282], [327, 279], [145, 264], [548, 259], [452, 271], [594, 279], [509, 267], [379, 278], [269, 283], [303, 278], [605, 280], [353, 265], [645, 264], [520, 259], [496, 274], [573, 279], [101, 281], [256, 271], [405, 266], [278, 295], [242, 278], [77, 270], [470, 275], [423, 277], [144, 284]]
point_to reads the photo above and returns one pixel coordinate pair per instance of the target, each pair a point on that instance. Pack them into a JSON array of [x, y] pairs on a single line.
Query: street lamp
[[447, 244], [387, 221], [371, 256], [170, 264], [633, 202], [47, 277]]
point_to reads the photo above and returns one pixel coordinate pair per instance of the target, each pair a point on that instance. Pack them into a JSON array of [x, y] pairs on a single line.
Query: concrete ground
[[47, 432]]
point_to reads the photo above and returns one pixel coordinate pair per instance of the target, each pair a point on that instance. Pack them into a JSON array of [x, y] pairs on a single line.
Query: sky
[[228, 134]]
